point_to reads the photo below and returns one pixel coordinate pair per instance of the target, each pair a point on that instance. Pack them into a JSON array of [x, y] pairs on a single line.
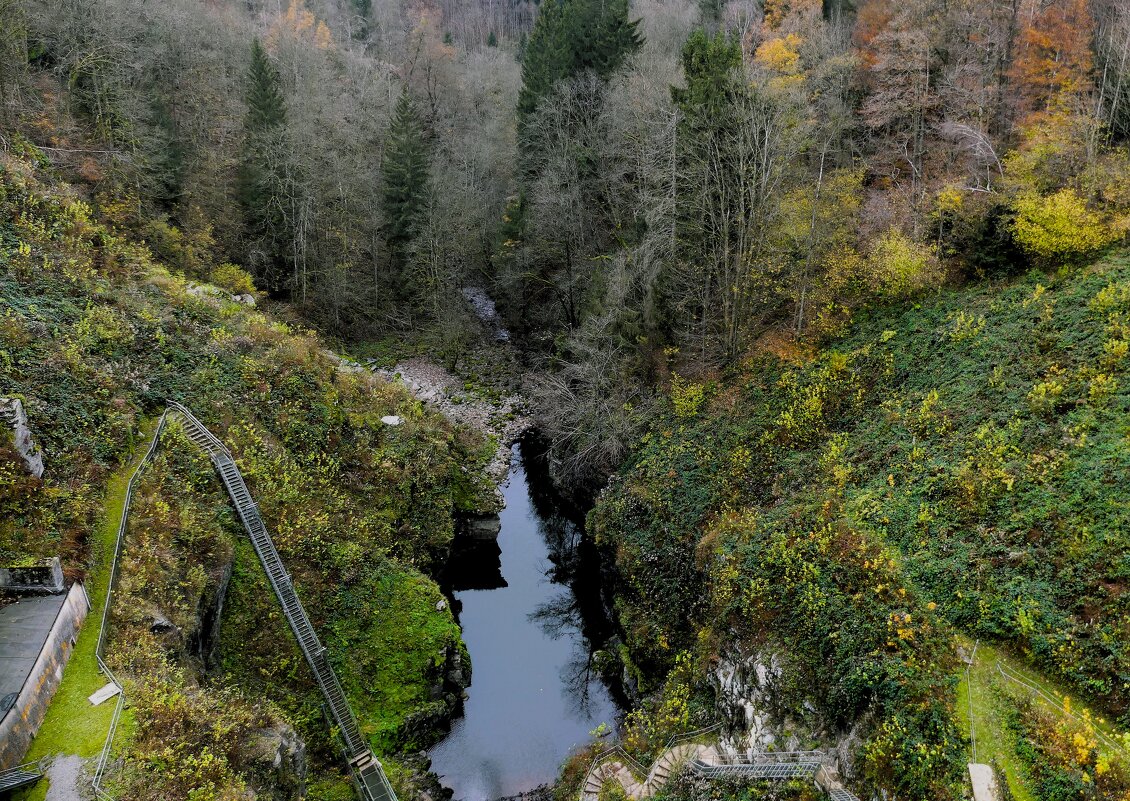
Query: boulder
[[12, 410], [481, 527], [279, 757]]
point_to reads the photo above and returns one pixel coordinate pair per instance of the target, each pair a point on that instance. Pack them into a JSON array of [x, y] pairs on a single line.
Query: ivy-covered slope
[[95, 336], [958, 465]]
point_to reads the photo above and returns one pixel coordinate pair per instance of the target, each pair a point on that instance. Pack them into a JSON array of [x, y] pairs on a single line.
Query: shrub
[[900, 266], [1060, 227], [233, 278], [687, 396]]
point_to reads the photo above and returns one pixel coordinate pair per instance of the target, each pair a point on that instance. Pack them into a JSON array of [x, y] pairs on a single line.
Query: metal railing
[[22, 775], [767, 765], [1019, 678], [368, 775], [637, 767], [100, 648]]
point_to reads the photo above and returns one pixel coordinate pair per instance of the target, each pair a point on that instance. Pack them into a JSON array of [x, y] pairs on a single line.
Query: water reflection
[[532, 616]]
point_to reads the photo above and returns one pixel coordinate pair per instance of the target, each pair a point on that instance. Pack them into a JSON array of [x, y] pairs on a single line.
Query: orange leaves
[[1051, 69], [778, 12]]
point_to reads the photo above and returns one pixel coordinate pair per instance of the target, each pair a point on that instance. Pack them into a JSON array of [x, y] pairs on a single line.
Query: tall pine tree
[[570, 37], [404, 179], [262, 174]]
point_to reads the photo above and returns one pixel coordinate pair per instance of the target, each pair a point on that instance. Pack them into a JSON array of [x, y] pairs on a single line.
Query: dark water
[[533, 697]]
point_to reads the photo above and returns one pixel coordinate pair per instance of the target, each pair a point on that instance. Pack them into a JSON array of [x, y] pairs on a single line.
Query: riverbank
[[502, 418]]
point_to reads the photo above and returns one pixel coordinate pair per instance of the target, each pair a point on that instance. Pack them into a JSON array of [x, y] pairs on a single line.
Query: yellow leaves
[[900, 628], [899, 266], [1035, 297], [781, 54], [1101, 387], [1113, 297], [1060, 226], [965, 327], [949, 199], [299, 24], [1115, 352], [687, 396], [1045, 395], [833, 461]]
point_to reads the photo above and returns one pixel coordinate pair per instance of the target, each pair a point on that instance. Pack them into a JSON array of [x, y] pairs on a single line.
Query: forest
[[822, 308], [624, 180]]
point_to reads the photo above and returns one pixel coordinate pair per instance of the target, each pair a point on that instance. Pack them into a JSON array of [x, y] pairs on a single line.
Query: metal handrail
[[766, 758], [617, 750], [100, 647], [679, 739], [341, 713], [35, 766], [634, 765]]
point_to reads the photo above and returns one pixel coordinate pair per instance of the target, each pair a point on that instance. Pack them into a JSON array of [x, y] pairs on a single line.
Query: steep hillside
[[95, 337], [958, 465]]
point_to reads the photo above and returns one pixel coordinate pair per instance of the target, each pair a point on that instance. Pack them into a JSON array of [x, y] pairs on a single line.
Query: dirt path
[[65, 776]]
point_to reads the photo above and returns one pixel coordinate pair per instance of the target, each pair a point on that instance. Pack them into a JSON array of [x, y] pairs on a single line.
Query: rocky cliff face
[[757, 720], [12, 412]]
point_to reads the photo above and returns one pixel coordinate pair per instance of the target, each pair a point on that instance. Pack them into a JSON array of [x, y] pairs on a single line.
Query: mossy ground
[[72, 724]]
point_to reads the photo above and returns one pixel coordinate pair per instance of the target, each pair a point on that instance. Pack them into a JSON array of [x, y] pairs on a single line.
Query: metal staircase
[[367, 771], [20, 776], [697, 751]]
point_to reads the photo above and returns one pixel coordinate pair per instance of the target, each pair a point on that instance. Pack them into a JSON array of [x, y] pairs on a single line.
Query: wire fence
[[100, 649], [1017, 677]]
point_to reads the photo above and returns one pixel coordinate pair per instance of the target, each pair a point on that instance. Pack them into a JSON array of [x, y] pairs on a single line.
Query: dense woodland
[[819, 283], [624, 180]]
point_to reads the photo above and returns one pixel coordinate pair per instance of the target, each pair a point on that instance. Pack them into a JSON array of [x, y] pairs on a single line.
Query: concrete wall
[[22, 721], [47, 577]]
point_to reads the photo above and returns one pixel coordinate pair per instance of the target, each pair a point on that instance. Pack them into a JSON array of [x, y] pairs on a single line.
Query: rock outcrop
[[279, 760], [12, 410]]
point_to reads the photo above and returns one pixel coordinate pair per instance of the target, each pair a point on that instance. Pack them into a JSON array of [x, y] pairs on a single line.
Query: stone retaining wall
[[22, 721]]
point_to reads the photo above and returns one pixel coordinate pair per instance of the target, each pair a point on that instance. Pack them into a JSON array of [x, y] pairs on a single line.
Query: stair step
[[17, 777], [367, 768]]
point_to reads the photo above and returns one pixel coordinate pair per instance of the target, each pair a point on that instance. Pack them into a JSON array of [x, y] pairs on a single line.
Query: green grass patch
[[982, 698], [978, 695], [72, 725]]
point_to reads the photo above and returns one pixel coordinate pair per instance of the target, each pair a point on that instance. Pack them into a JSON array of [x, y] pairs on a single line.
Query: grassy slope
[[977, 439], [94, 335]]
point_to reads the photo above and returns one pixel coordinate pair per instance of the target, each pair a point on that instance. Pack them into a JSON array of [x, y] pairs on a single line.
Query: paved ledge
[[36, 638]]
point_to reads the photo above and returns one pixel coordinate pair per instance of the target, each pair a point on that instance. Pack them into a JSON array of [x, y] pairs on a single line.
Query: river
[[530, 624]]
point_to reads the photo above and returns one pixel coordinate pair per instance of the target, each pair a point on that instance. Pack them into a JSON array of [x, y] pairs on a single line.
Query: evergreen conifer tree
[[570, 37], [265, 105], [261, 175], [404, 177]]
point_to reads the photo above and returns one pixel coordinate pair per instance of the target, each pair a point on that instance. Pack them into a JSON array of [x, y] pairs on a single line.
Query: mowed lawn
[[981, 707]]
